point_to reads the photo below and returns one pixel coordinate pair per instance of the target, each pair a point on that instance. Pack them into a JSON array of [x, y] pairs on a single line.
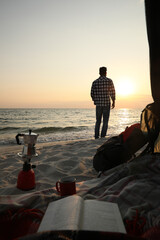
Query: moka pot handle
[[17, 138]]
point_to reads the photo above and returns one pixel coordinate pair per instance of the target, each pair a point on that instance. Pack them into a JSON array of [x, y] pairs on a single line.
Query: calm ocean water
[[60, 124]]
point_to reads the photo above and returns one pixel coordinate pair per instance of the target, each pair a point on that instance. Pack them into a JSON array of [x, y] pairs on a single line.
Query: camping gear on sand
[[119, 149], [26, 177], [150, 125], [122, 148]]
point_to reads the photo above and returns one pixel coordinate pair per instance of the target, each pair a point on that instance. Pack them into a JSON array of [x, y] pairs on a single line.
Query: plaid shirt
[[102, 90]]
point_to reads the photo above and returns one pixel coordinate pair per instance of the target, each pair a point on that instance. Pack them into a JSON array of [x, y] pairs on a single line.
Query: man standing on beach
[[102, 91]]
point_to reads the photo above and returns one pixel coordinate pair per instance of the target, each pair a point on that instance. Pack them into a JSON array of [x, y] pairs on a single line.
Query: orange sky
[[51, 52]]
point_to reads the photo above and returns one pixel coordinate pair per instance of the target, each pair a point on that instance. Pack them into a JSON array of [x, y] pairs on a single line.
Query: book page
[[101, 216], [62, 214]]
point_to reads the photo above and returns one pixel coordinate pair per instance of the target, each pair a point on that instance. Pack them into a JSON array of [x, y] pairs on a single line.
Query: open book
[[74, 213]]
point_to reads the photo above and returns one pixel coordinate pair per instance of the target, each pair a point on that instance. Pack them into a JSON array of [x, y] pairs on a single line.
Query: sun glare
[[125, 87]]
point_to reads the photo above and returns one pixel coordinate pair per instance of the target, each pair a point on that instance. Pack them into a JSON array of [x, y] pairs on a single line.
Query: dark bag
[[109, 155], [115, 151], [150, 123]]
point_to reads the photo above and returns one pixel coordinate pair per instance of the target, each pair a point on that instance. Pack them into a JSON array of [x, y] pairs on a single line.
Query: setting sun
[[125, 87]]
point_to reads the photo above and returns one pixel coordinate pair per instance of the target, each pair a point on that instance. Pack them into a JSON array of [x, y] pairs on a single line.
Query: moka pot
[[29, 140]]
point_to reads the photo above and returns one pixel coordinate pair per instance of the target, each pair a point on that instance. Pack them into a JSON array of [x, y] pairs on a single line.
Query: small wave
[[59, 129], [8, 129]]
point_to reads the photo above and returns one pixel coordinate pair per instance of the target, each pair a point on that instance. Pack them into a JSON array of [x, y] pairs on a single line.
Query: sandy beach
[[122, 185], [54, 160]]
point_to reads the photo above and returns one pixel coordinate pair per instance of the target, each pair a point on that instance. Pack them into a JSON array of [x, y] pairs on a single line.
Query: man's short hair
[[102, 70]]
